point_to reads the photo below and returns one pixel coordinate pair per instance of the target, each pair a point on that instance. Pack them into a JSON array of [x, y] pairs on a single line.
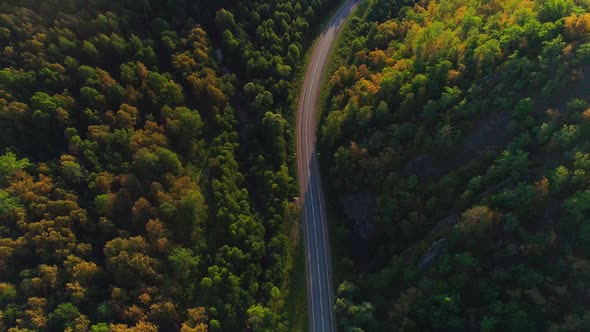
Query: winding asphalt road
[[319, 268]]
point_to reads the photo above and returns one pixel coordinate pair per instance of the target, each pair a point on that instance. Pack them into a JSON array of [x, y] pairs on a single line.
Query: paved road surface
[[317, 247]]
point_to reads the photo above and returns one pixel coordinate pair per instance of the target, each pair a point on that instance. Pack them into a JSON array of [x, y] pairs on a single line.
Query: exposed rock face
[[446, 224], [489, 133], [432, 253], [360, 209]]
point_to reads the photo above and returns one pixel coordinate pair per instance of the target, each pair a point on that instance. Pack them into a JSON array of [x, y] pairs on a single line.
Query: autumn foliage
[[124, 203], [455, 145]]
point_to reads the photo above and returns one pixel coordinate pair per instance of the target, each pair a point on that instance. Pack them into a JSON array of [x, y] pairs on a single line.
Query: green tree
[[263, 319], [10, 164], [63, 317]]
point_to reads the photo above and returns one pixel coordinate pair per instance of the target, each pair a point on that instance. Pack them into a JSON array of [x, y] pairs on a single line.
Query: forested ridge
[[457, 166], [146, 163]]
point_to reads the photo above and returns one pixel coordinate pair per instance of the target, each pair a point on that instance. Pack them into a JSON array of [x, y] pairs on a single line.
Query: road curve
[[317, 247]]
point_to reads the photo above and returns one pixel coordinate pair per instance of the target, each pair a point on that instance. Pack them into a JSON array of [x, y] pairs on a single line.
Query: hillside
[[454, 153]]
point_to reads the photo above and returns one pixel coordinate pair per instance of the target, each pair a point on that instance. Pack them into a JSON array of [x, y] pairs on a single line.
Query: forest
[[146, 163], [454, 154]]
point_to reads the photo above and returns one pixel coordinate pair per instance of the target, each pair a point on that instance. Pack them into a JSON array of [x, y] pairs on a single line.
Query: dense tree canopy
[[454, 143], [127, 131]]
